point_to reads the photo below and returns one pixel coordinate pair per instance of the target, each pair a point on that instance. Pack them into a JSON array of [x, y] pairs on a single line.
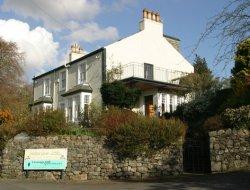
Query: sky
[[45, 29]]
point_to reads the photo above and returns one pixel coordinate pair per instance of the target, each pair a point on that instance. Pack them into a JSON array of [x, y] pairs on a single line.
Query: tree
[[242, 57], [14, 93], [241, 69], [10, 64], [117, 94], [201, 80], [230, 27]]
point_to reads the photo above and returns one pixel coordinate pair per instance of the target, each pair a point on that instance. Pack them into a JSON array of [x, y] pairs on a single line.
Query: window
[[63, 80], [148, 71], [171, 103], [47, 87], [69, 110], [77, 108], [86, 103], [62, 106], [86, 99], [178, 100], [48, 107], [163, 103], [82, 74]]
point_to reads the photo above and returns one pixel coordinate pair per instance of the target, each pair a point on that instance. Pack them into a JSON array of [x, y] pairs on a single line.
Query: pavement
[[235, 180]]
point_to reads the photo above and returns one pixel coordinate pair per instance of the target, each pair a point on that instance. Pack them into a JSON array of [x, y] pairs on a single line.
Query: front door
[[149, 107]]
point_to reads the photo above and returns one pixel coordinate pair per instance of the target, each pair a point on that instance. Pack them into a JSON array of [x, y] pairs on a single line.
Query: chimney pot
[[158, 19], [153, 16], [150, 15], [144, 13]]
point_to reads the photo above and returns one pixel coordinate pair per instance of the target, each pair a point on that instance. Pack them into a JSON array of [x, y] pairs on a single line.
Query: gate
[[196, 156]]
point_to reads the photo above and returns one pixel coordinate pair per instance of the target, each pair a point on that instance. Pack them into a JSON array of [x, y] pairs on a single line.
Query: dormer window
[[82, 73], [46, 87]]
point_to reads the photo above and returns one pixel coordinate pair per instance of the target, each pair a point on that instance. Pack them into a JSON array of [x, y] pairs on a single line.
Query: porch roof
[[146, 84], [41, 100], [77, 89]]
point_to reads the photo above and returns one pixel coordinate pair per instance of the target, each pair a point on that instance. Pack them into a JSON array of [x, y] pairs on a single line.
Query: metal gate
[[196, 156]]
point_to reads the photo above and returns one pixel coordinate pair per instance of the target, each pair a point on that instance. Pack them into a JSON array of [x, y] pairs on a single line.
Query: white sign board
[[45, 159]]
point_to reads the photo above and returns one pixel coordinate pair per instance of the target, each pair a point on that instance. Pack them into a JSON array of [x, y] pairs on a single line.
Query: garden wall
[[89, 159], [229, 150]]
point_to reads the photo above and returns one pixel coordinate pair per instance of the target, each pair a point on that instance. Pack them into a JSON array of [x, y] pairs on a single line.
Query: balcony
[[151, 73]]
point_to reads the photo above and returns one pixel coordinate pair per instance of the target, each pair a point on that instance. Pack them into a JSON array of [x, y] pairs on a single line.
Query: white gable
[[147, 46]]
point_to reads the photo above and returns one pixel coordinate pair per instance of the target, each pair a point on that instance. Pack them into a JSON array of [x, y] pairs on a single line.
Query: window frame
[[148, 73], [61, 80], [44, 87], [83, 81]]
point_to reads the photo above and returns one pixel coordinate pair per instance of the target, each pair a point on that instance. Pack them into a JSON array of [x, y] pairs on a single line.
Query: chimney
[[75, 52], [151, 22], [155, 16]]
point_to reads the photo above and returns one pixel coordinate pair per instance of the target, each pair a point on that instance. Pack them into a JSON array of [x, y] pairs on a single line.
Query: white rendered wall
[[147, 46]]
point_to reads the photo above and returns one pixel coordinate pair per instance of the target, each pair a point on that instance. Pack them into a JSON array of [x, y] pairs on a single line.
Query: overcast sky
[[45, 29]]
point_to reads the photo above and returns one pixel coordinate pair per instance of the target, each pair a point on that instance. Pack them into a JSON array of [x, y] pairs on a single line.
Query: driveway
[[236, 180]]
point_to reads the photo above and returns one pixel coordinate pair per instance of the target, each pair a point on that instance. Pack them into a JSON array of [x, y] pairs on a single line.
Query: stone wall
[[229, 150], [89, 159]]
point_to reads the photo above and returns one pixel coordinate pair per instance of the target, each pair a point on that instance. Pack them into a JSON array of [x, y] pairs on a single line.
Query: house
[[149, 60]]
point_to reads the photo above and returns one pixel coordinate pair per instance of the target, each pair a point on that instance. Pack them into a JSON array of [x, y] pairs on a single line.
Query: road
[[236, 180]]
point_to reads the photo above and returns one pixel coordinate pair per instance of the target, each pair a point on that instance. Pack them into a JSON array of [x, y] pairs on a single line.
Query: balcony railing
[[159, 74]]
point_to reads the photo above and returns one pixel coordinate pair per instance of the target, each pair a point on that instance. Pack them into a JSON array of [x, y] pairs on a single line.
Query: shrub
[[113, 118], [128, 140], [90, 116], [117, 94], [237, 118], [164, 132], [213, 123], [6, 116], [7, 131], [131, 135], [74, 129], [46, 123]]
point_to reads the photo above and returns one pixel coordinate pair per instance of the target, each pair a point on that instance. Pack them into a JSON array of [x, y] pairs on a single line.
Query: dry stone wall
[[229, 150], [89, 159]]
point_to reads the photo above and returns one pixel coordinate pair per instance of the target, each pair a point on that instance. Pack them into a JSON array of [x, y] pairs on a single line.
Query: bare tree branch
[[230, 27]]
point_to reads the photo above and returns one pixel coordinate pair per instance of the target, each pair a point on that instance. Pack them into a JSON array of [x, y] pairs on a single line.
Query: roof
[[43, 99], [78, 88], [69, 63], [159, 84], [171, 37], [86, 56]]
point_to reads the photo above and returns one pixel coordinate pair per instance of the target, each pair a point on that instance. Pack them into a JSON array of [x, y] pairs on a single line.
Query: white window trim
[[44, 87], [47, 106], [80, 96], [78, 73]]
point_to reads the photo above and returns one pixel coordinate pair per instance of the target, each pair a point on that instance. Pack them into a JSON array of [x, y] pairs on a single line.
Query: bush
[[164, 132], [6, 116], [113, 118], [213, 123], [131, 135], [74, 129], [117, 94], [7, 131], [237, 118], [90, 116], [46, 123]]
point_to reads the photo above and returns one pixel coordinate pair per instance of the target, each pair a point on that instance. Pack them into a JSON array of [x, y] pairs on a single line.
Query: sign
[[45, 159]]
